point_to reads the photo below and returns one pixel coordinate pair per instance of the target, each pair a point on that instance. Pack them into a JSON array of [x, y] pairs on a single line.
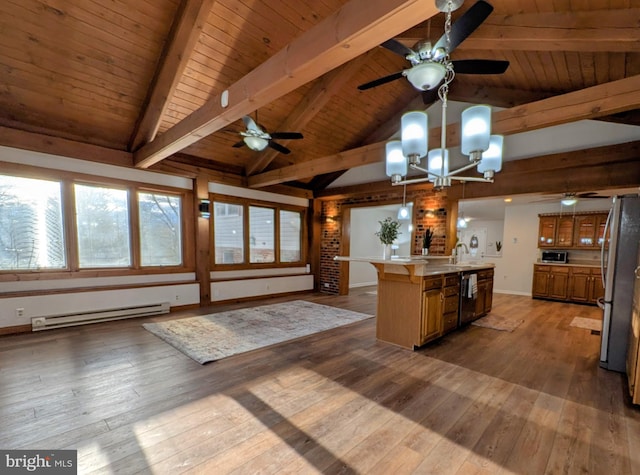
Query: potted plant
[[389, 231], [426, 241]]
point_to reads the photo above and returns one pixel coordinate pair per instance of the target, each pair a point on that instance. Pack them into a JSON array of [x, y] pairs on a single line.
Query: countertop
[[576, 263], [420, 265]]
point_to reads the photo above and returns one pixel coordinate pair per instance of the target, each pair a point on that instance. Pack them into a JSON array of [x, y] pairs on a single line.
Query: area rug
[[588, 323], [498, 322], [219, 335]]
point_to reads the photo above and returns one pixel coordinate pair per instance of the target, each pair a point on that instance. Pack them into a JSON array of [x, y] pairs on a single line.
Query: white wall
[[365, 243]]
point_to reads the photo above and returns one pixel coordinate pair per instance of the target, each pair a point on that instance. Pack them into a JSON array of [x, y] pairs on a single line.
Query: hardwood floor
[[478, 401]]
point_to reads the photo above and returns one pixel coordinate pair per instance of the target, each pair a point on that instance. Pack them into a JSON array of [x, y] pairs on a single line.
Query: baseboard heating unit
[[83, 318]]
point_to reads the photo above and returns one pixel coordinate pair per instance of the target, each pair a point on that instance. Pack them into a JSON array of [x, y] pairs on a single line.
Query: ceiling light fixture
[[256, 144], [484, 150], [569, 201]]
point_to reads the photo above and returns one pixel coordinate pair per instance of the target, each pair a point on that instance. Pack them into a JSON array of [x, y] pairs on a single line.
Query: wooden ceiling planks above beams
[[183, 37], [309, 106], [357, 27], [589, 103], [579, 31]]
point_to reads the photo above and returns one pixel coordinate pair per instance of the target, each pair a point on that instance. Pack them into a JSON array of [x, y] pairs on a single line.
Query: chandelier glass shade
[[396, 163], [435, 167]]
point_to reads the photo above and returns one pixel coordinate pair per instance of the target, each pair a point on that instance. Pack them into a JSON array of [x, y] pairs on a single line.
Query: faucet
[[457, 253]]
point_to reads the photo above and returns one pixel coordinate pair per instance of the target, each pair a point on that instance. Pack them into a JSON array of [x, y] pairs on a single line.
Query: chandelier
[[484, 150]]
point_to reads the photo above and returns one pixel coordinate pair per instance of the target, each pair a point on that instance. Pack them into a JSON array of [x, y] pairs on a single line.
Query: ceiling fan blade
[[280, 148], [430, 96], [397, 48], [249, 123], [238, 144], [465, 25], [380, 81], [480, 66], [286, 135]]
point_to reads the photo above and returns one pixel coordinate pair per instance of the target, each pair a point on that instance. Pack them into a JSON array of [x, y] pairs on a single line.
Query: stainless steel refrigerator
[[618, 261]]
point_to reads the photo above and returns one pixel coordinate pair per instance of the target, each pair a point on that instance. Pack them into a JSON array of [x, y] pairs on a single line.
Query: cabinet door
[[564, 236], [431, 319], [488, 297], [596, 290], [580, 285], [540, 283], [559, 285], [482, 292], [547, 231], [601, 221], [585, 231]]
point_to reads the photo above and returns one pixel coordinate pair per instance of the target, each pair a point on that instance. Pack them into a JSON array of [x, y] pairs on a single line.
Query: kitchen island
[[423, 298]]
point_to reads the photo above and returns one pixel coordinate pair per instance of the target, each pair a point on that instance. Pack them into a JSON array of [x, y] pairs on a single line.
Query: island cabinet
[[451, 293], [484, 299]]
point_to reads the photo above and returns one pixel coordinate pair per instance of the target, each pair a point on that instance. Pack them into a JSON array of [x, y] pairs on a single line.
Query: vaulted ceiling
[[139, 82]]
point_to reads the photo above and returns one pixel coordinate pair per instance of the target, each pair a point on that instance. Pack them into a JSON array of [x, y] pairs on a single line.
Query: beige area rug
[[588, 323], [498, 322], [212, 337]]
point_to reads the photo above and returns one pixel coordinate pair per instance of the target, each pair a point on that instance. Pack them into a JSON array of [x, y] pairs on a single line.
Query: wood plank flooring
[[478, 401]]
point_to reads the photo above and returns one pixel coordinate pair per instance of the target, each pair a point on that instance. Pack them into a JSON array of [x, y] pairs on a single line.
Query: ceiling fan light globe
[[426, 76], [256, 143], [568, 201]]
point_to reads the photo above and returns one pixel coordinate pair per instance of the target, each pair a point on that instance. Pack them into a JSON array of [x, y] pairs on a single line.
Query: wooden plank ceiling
[[140, 80]]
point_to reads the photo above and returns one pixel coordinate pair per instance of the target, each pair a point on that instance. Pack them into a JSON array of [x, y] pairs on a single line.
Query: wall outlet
[[326, 284], [177, 297], [19, 312]]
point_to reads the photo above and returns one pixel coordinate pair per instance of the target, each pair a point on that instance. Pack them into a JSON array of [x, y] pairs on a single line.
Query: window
[[31, 226], [160, 229], [290, 236], [102, 216], [262, 234], [247, 233], [229, 233]]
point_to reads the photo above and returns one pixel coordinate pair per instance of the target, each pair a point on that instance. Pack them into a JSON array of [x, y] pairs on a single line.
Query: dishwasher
[[468, 296]]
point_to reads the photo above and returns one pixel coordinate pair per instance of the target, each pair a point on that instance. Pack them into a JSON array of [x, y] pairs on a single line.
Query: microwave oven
[[559, 257]]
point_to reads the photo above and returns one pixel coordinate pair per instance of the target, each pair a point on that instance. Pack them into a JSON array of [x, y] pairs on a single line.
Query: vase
[[386, 251], [425, 251]]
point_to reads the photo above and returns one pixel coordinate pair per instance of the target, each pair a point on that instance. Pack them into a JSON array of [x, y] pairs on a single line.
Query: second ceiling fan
[[429, 63], [257, 138]]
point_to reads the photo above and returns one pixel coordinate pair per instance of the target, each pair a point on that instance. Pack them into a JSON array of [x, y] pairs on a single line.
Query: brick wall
[[429, 209]]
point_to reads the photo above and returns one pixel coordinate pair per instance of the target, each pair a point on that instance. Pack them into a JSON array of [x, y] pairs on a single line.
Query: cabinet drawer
[[451, 304], [541, 268], [432, 283], [485, 274], [449, 291], [449, 321], [581, 270], [559, 270], [450, 280]]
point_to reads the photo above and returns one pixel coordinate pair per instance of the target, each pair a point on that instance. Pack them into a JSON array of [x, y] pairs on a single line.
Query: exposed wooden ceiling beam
[[589, 31], [67, 148], [312, 103], [589, 103], [182, 39], [354, 29]]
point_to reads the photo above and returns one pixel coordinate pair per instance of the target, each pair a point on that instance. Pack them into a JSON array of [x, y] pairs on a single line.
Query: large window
[[102, 218], [31, 226], [160, 230], [123, 226], [246, 233]]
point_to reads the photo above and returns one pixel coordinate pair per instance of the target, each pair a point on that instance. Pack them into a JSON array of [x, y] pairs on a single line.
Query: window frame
[[246, 203], [73, 270]]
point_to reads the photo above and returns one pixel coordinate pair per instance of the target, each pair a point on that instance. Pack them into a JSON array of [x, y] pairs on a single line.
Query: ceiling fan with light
[[430, 63], [257, 138], [571, 198]]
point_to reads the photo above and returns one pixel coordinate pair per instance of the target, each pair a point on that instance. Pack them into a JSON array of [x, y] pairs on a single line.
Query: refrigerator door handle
[[604, 241]]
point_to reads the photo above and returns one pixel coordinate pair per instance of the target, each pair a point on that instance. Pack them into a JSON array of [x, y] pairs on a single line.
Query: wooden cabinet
[[451, 293], [564, 233], [579, 284], [559, 283], [547, 231], [580, 231], [541, 277], [432, 310], [484, 299]]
